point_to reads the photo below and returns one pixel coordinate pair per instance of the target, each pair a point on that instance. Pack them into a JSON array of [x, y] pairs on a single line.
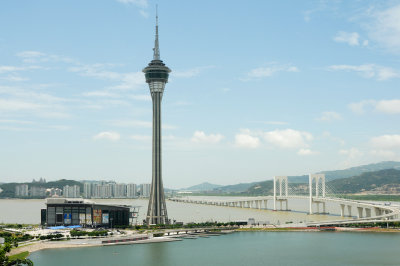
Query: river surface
[[28, 211], [240, 248]]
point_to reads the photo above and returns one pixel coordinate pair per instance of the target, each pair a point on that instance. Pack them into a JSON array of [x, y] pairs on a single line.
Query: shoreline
[[76, 243], [34, 247]]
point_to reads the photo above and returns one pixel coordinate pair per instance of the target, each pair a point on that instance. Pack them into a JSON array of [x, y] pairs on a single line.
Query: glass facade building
[[65, 212]]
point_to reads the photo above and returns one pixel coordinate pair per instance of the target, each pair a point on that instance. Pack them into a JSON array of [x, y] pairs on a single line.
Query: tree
[[5, 260]]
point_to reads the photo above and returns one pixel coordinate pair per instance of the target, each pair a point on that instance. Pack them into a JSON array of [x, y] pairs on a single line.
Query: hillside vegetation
[[378, 182]]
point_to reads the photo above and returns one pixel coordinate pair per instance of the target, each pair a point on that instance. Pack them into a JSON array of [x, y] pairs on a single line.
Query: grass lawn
[[21, 255]]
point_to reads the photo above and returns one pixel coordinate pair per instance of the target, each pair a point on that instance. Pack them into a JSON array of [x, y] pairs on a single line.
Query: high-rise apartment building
[[87, 190], [131, 191], [22, 190], [71, 191], [37, 191], [145, 190], [119, 190]]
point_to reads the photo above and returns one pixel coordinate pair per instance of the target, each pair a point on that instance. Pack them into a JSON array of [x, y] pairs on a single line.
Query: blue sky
[[257, 89]]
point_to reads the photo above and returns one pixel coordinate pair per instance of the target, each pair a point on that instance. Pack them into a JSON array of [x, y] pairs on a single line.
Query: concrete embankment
[[76, 243]]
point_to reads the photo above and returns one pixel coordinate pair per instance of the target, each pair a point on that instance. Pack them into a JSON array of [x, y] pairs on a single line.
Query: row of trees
[[78, 233], [6, 261]]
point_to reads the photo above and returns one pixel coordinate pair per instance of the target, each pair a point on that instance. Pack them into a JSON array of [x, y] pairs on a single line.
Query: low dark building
[[66, 212]]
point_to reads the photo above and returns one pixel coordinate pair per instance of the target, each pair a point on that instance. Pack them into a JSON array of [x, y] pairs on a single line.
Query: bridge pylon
[[282, 181], [319, 188]]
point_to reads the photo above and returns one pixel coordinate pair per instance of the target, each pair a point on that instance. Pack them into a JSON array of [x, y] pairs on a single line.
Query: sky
[[257, 88]]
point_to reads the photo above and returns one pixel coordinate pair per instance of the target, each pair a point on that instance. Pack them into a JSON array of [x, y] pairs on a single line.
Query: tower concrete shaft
[[156, 74]]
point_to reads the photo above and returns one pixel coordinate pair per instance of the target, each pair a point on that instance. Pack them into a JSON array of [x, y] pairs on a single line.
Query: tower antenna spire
[[156, 48]]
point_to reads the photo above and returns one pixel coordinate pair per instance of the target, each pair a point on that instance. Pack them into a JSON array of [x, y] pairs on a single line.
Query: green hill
[[353, 171], [202, 187], [378, 182], [238, 188]]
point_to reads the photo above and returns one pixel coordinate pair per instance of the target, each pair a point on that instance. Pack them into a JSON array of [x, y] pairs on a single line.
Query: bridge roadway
[[366, 211]]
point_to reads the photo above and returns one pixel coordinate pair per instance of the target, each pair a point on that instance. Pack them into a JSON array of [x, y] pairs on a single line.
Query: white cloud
[[201, 137], [385, 28], [101, 94], [147, 138], [268, 71], [14, 78], [329, 116], [113, 136], [288, 138], [182, 103], [271, 122], [35, 56], [388, 106], [4, 69], [13, 121], [386, 142], [359, 107], [189, 73], [138, 124], [351, 38], [132, 123], [382, 106], [141, 97], [352, 153], [18, 105], [306, 152], [387, 154], [59, 127], [369, 71], [141, 137], [328, 135], [246, 140], [28, 54], [144, 13], [139, 3], [131, 80]]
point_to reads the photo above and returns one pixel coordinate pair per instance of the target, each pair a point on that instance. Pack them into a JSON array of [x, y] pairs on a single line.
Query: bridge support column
[[342, 210], [265, 204], [360, 212], [324, 207], [283, 188], [349, 210], [274, 194], [256, 203], [367, 212]]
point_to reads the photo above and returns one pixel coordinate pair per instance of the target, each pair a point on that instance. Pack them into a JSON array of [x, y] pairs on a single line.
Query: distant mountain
[[377, 182], [261, 188], [203, 187], [235, 188], [353, 171]]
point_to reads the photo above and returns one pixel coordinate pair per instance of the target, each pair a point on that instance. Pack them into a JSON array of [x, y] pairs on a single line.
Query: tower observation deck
[[156, 74]]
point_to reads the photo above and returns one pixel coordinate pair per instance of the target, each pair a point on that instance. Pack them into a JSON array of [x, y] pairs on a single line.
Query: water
[[241, 248], [28, 211]]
